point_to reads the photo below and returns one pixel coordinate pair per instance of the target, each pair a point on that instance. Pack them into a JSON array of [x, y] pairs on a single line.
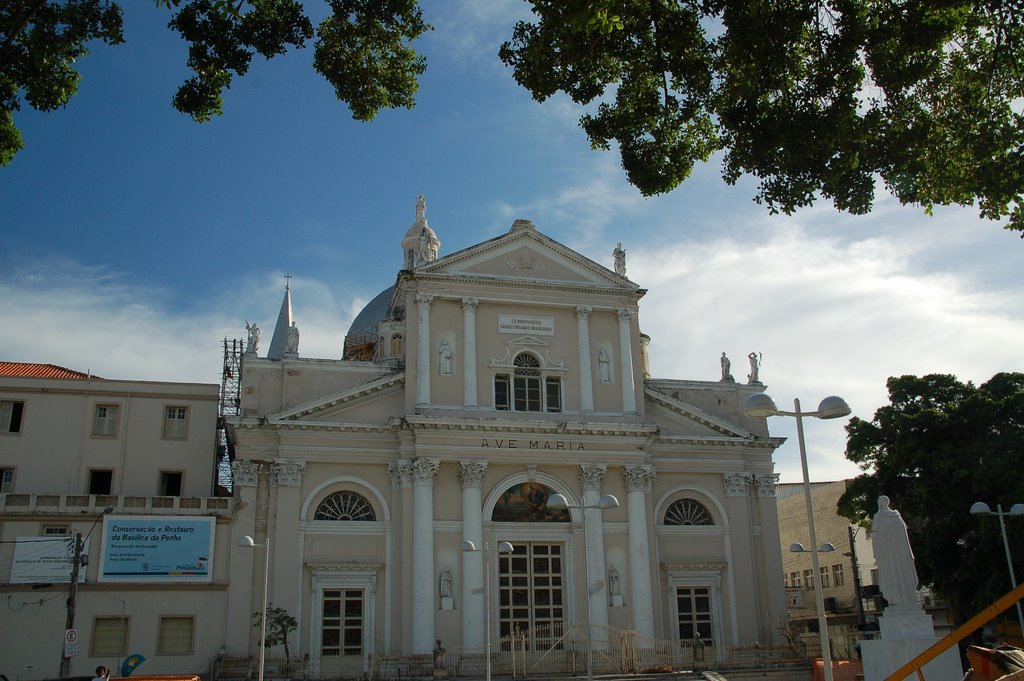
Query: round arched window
[[688, 512], [344, 506]]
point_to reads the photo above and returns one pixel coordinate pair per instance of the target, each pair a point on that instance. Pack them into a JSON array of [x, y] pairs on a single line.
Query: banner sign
[[157, 549], [517, 323], [45, 560]]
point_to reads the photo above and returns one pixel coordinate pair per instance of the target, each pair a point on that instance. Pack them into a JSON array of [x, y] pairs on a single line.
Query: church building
[[477, 387]]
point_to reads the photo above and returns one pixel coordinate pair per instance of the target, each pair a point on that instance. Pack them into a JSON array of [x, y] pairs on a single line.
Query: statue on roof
[[620, 259], [421, 208], [726, 368], [293, 340], [252, 343], [755, 365]]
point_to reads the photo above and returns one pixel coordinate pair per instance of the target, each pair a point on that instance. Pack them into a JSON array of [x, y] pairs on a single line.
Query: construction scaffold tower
[[230, 399]]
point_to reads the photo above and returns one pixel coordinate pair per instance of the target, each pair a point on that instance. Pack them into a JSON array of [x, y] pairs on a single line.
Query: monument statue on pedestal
[[897, 576]]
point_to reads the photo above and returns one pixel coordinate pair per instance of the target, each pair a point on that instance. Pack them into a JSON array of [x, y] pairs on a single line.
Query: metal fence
[[550, 650]]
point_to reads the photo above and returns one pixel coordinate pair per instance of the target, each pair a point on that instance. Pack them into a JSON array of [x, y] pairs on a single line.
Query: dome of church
[[376, 310], [417, 227]]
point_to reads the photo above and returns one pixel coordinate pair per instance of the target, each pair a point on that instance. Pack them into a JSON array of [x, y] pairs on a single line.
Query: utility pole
[[76, 564], [856, 579], [76, 560]]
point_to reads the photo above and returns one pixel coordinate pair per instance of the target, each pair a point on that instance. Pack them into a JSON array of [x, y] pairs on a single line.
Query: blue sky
[[134, 240]]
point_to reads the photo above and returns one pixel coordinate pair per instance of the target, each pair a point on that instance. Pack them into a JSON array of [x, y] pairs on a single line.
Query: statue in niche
[[604, 370], [253, 342], [446, 583], [293, 339], [620, 259], [755, 365], [444, 358], [613, 582], [897, 575], [726, 368]]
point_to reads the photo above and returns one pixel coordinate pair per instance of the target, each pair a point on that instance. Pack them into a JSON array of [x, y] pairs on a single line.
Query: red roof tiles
[[33, 370]]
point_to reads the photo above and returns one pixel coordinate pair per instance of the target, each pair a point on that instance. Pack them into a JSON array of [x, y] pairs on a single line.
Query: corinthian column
[[469, 352], [423, 357], [590, 477], [626, 362], [423, 473], [586, 371], [638, 481], [472, 474]]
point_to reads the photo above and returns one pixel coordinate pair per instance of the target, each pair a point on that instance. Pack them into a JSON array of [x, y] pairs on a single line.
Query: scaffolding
[[228, 405]]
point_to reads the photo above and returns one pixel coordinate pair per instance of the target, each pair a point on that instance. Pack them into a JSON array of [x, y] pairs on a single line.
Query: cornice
[[547, 427]]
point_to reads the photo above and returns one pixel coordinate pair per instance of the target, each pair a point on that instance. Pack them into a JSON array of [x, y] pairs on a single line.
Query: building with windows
[[480, 384], [848, 575], [71, 446]]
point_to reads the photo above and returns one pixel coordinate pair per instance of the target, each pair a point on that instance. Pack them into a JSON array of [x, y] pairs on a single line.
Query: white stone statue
[[444, 358], [293, 339], [613, 582], [726, 367], [446, 583], [421, 208], [604, 370], [620, 259], [897, 576], [755, 365], [253, 342], [422, 248]]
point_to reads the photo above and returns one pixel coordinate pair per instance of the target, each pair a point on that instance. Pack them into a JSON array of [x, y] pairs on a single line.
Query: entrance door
[[530, 590]]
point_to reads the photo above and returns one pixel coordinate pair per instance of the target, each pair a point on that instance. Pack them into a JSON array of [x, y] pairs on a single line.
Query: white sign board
[[528, 324], [45, 560], [157, 549], [70, 642]]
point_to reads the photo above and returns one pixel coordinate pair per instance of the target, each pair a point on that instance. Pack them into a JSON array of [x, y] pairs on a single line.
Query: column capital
[[400, 473], [590, 476], [737, 484], [246, 473], [470, 303], [766, 484], [424, 299], [624, 314], [638, 478], [583, 311], [424, 471], [286, 473], [472, 473]]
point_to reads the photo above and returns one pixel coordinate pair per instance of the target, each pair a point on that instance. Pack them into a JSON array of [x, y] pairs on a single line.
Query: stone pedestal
[[616, 600], [447, 603], [907, 632]]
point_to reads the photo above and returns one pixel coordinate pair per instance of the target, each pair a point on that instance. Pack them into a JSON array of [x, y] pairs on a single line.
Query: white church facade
[[479, 385]]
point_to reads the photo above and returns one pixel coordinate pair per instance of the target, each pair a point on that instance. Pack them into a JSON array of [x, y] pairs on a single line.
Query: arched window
[[344, 506], [396, 345], [688, 512], [522, 390]]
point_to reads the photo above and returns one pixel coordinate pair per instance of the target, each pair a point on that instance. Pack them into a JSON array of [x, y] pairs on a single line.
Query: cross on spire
[[288, 280]]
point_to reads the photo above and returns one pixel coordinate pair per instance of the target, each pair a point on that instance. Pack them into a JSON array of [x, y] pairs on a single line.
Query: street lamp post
[[760, 405], [248, 542], [503, 547], [981, 508], [557, 502], [76, 565]]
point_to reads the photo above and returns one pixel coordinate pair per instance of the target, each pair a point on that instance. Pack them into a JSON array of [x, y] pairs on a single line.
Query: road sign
[[70, 642]]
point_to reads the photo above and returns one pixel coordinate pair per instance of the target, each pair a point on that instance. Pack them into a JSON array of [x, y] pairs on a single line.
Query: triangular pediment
[[675, 417], [374, 401], [525, 254]]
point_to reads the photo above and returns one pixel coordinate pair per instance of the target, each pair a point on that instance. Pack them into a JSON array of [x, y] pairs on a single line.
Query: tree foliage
[[938, 447], [362, 49], [814, 98], [279, 625]]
